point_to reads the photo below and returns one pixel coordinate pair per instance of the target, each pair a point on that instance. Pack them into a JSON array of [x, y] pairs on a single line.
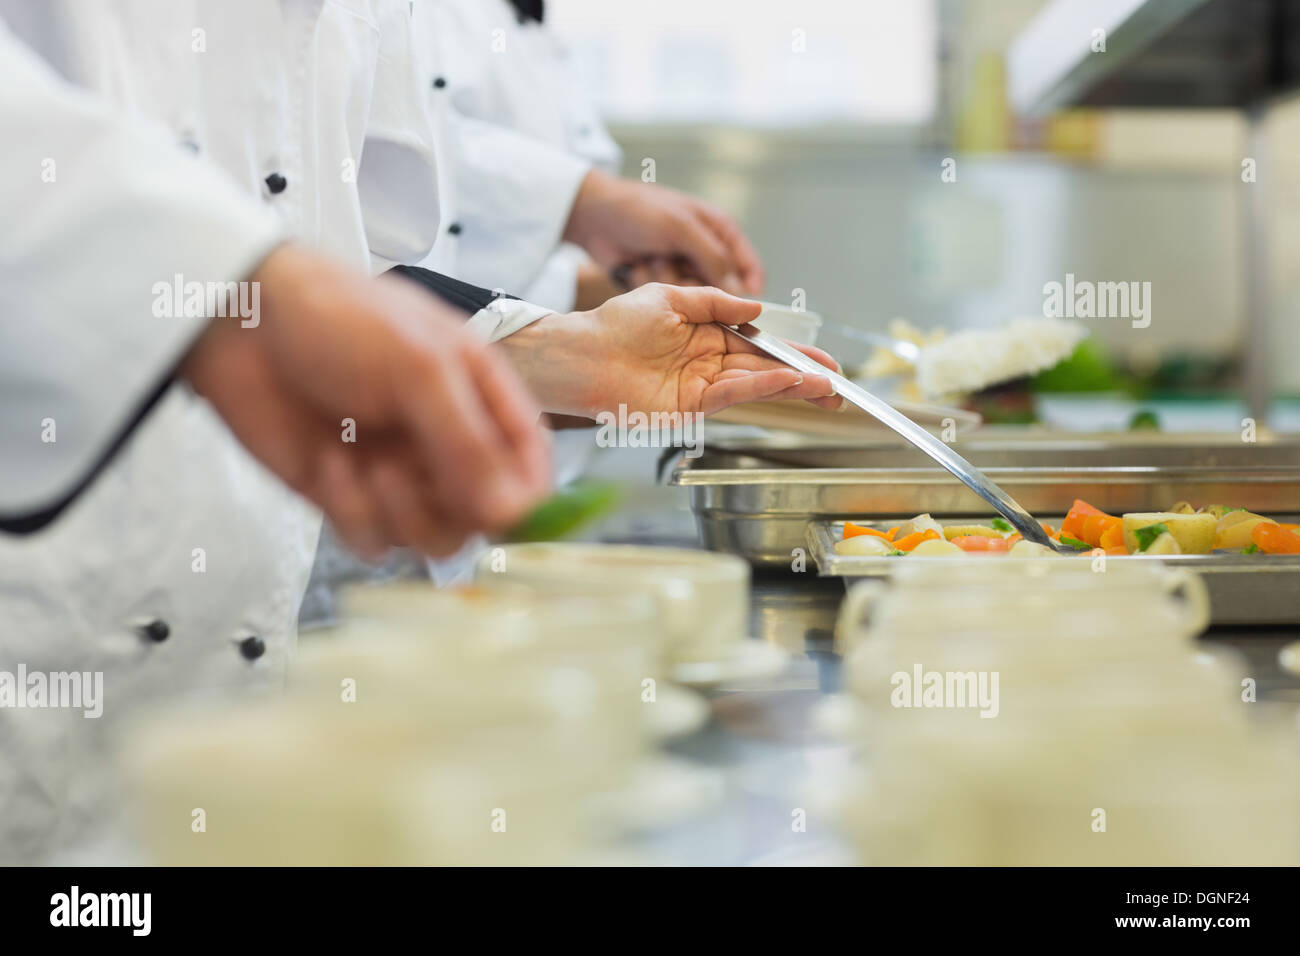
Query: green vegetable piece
[[1075, 543], [1000, 524], [1144, 419], [566, 511], [1252, 548], [1147, 536], [1230, 510]]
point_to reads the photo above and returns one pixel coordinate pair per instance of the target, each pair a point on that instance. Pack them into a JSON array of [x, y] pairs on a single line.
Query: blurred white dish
[[749, 660], [675, 712], [703, 598]]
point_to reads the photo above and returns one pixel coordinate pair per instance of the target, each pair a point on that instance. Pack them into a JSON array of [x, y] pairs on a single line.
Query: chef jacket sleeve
[[492, 314], [397, 177], [515, 193], [102, 218]]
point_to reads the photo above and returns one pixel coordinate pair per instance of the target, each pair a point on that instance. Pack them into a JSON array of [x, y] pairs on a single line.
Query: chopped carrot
[[908, 542], [1072, 526], [1116, 552], [1112, 537], [1275, 539], [1288, 527], [852, 530], [1047, 529], [893, 532]]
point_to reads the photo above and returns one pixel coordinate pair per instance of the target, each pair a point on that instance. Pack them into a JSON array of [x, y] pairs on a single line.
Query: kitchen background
[[823, 125]]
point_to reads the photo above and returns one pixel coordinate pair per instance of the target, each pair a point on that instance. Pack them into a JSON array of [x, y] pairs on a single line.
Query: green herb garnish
[[1251, 548], [1147, 536], [1143, 420], [1230, 510], [565, 511], [1001, 524], [1075, 543]]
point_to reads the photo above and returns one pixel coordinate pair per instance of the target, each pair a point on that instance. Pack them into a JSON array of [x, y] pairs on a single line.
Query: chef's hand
[[660, 348], [619, 221], [446, 441]]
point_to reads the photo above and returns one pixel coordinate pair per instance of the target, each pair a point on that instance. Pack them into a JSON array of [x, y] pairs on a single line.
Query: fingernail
[[798, 380]]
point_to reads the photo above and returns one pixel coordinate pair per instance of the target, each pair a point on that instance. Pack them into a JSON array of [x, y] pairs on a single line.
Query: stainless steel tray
[[756, 499], [1243, 588]]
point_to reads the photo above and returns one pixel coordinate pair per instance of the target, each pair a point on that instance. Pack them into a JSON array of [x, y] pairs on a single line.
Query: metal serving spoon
[[877, 408]]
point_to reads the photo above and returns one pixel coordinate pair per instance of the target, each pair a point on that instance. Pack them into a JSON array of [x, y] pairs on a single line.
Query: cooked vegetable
[[979, 542], [1087, 524], [1235, 528], [1275, 539], [567, 510], [1180, 530], [852, 530], [1073, 523], [919, 524], [1144, 420], [1147, 536], [864, 545], [1194, 533], [908, 542], [1112, 537], [954, 531], [1165, 543], [936, 546]]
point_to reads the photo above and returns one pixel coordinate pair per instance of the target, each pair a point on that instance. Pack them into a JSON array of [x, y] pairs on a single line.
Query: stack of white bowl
[[1102, 734], [702, 597], [485, 725]]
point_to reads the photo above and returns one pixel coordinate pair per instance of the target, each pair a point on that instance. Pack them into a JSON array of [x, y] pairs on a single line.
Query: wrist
[[584, 215], [556, 358]]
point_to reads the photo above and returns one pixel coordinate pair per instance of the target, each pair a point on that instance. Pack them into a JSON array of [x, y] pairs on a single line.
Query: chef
[[528, 178], [169, 558]]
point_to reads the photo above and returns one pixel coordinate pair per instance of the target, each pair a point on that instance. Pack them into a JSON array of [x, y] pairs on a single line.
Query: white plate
[[747, 660]]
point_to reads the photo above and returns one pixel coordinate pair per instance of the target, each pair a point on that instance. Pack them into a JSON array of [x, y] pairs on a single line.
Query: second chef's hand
[[659, 348]]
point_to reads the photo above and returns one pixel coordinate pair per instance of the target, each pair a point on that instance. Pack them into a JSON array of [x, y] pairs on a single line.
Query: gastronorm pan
[[757, 498], [1243, 588]]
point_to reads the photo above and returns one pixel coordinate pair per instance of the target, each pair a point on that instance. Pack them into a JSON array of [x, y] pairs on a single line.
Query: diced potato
[[1182, 508], [1216, 510], [1165, 544], [1234, 528], [1030, 549], [935, 547], [1194, 533], [919, 523], [864, 545], [979, 530]]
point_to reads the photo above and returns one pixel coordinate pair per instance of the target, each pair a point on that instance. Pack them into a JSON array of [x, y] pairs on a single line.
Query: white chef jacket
[[517, 137], [299, 111]]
